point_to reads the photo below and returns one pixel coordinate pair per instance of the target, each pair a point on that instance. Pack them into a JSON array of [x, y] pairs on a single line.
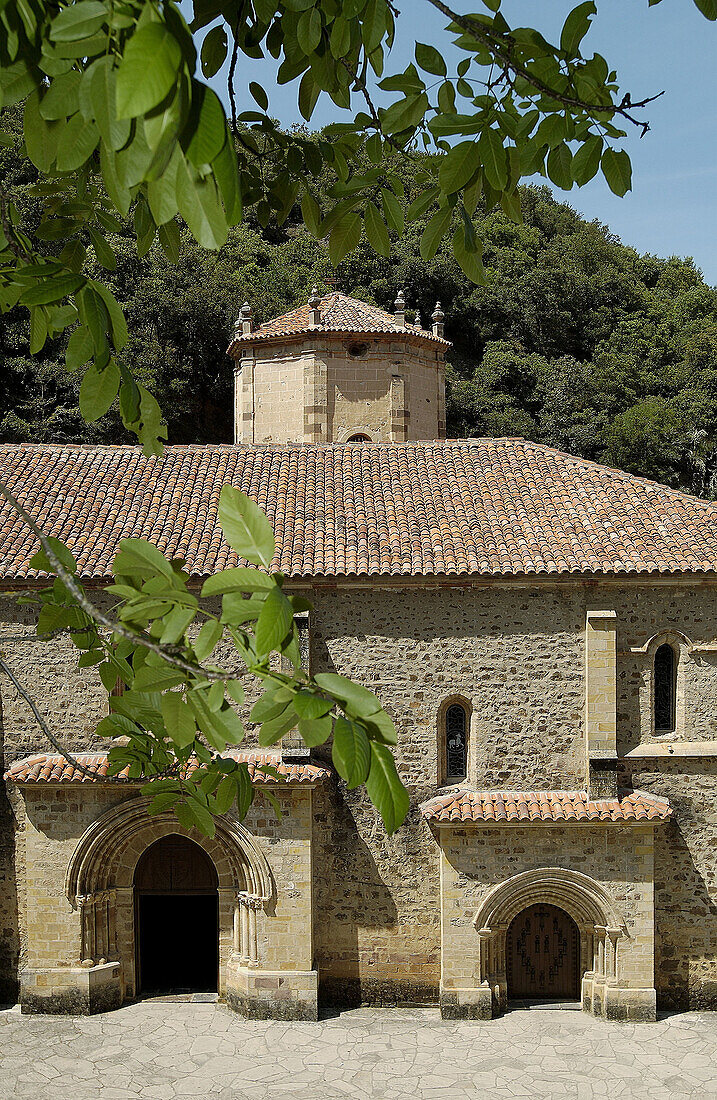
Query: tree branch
[[89, 772], [501, 45]]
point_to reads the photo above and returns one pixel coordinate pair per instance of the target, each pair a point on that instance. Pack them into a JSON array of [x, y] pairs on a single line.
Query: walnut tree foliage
[[120, 123]]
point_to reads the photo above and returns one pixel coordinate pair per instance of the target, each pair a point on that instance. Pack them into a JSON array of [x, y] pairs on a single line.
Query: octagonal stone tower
[[337, 370]]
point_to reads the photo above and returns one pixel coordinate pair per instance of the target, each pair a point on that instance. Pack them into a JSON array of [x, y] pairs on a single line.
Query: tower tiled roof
[[463, 807], [338, 313], [477, 507]]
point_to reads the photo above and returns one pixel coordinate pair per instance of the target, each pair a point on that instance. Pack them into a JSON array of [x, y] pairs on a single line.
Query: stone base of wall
[[468, 1004], [340, 992], [272, 994], [72, 991], [615, 1003]]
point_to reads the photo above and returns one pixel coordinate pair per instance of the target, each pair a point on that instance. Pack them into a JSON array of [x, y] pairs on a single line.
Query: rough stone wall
[[517, 655]]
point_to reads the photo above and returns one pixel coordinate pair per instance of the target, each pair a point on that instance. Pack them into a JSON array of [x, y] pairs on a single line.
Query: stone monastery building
[[543, 631]]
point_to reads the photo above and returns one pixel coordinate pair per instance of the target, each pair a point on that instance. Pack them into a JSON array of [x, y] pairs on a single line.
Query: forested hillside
[[575, 340]]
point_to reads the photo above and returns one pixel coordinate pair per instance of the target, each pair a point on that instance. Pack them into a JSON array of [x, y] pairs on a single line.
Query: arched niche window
[[360, 437], [455, 741], [665, 689]]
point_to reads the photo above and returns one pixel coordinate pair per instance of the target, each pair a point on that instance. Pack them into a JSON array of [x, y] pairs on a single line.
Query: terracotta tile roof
[[44, 768], [486, 507], [338, 313], [463, 807]]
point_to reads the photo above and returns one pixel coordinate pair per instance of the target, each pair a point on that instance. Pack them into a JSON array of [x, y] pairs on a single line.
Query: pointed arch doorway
[[176, 918]]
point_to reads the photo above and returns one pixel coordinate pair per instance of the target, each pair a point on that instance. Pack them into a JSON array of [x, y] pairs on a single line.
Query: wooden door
[[543, 952]]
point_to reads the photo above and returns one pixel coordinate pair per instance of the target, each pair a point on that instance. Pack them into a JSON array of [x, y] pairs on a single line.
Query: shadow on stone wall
[[685, 886]]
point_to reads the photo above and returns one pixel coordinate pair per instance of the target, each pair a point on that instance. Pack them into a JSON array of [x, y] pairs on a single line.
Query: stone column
[[399, 409]]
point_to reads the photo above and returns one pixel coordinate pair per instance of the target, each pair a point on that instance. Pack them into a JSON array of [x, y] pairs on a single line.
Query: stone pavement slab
[[166, 1051]]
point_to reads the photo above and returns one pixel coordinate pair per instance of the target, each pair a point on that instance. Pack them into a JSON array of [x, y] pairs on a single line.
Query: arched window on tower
[[665, 689], [455, 734], [360, 437]]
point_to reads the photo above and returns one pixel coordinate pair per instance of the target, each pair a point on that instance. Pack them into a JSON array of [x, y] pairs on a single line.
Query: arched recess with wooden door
[[101, 883], [579, 904]]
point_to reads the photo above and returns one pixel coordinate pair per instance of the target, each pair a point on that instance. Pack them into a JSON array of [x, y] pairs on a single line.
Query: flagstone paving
[[166, 1051]]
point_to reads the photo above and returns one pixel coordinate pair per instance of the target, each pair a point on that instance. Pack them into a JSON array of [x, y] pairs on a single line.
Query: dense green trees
[[575, 340]]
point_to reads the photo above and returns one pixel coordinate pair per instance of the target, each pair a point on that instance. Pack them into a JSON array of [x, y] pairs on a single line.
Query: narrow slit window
[[456, 734], [665, 688]]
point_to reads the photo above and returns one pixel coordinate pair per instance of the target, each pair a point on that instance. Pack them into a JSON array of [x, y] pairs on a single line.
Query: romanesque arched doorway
[[543, 954], [176, 918]]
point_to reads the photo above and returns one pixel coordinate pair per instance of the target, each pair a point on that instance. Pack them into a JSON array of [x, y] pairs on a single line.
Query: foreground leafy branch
[[178, 706]]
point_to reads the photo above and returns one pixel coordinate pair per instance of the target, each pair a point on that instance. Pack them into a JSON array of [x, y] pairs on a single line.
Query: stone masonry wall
[[516, 654]]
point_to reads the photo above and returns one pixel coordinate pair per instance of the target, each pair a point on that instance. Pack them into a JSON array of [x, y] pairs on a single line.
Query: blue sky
[[672, 208]]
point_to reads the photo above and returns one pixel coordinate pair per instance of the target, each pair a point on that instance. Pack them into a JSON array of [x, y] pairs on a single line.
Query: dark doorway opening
[[177, 919], [543, 955]]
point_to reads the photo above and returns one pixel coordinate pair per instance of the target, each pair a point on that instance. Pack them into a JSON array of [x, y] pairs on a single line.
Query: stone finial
[[244, 324], [399, 310], [438, 316], [417, 319], [314, 307]]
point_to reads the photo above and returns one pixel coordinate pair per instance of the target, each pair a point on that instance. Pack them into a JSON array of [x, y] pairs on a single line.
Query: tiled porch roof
[[462, 807], [46, 768]]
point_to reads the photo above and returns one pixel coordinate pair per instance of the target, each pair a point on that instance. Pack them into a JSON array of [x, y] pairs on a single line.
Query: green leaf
[[79, 349], [38, 330], [315, 731], [17, 81], [170, 240], [393, 211], [214, 51], [52, 290], [259, 95], [99, 88], [61, 552], [245, 527], [376, 232], [41, 136], [576, 27], [194, 812], [405, 113], [175, 624], [586, 160], [345, 237], [308, 31], [238, 579], [200, 207], [385, 789], [309, 706], [311, 213], [708, 8], [275, 621], [434, 232], [469, 259], [421, 203], [356, 698], [118, 324], [351, 752], [94, 316], [76, 143], [148, 70], [430, 60], [210, 126], [149, 678], [226, 793], [103, 251], [207, 639], [139, 558], [559, 165], [617, 170], [78, 21], [226, 173], [62, 97], [494, 159], [273, 729], [178, 719], [98, 390], [458, 166]]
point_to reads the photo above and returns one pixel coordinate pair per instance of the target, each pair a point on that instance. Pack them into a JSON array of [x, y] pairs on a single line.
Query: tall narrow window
[[665, 689], [456, 735]]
